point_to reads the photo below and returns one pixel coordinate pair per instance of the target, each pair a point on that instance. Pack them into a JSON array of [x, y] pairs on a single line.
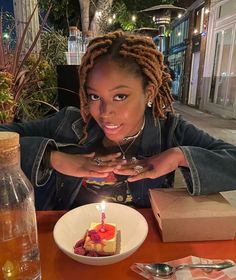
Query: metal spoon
[[164, 270]]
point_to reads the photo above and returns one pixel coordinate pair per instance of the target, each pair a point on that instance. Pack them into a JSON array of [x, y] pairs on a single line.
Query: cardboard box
[[182, 217]]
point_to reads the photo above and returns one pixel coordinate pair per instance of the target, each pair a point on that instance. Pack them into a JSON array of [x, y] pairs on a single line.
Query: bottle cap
[[73, 28], [8, 140]]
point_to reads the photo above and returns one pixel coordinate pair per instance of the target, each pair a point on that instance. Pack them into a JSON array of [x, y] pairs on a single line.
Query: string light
[[179, 15], [5, 35], [98, 14], [133, 18]]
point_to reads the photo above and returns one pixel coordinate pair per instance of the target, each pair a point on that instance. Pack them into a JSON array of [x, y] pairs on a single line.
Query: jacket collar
[[151, 136]]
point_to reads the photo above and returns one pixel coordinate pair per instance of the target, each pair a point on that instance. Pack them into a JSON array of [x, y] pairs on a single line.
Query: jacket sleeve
[[35, 138], [212, 162]]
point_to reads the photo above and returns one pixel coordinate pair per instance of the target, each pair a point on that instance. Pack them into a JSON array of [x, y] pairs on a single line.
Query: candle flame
[[101, 206]]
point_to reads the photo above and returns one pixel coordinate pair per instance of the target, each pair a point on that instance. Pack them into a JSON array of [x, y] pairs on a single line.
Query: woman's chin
[[114, 138]]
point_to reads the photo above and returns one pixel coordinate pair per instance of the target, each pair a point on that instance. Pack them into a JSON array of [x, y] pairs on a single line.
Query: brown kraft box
[[182, 217]]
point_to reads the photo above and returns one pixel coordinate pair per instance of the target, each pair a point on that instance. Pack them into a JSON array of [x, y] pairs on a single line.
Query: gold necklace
[[124, 151], [127, 138], [134, 137]]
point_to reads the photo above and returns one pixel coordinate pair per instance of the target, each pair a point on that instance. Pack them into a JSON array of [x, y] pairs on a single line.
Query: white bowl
[[72, 226]]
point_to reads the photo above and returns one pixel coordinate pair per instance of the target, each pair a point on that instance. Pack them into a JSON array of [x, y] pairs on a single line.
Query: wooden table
[[57, 266]]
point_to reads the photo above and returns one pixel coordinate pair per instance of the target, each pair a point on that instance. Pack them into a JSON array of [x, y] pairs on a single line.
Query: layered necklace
[[133, 138]]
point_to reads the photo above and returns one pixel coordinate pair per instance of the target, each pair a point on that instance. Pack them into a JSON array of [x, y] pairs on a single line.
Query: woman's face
[[117, 100]]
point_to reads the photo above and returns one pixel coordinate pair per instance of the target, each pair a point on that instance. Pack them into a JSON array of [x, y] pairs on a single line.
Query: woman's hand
[[84, 165], [153, 167]]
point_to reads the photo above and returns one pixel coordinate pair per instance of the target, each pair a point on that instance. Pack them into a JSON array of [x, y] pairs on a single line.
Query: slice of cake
[[103, 242]]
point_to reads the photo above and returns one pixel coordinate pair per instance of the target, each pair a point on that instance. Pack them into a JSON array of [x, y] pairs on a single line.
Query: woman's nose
[[106, 108]]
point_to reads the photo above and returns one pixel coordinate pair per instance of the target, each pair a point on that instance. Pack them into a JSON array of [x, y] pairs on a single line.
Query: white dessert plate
[[72, 226]]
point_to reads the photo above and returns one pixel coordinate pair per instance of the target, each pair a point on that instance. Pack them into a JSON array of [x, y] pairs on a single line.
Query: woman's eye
[[93, 97], [120, 97]]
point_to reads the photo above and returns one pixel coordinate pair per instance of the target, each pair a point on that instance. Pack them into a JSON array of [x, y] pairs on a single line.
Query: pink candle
[[103, 216]]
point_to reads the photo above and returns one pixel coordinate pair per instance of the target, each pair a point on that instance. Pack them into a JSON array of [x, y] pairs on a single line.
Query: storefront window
[[227, 9], [179, 33], [177, 62], [232, 79], [220, 61], [223, 75], [224, 69], [215, 64]]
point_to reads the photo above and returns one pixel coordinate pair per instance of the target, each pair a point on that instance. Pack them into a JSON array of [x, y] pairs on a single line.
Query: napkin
[[191, 274]]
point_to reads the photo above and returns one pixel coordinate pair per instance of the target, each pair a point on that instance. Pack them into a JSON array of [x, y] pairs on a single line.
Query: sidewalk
[[217, 127]]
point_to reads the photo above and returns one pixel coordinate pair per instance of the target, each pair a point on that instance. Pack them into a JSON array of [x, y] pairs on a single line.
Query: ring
[[133, 160], [138, 169], [98, 161]]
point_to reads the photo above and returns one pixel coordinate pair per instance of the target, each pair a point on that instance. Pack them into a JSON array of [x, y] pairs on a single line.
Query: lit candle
[[103, 216], [101, 209]]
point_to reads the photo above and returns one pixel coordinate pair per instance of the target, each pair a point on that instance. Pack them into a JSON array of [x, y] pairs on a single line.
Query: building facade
[[187, 52], [176, 54], [202, 51], [218, 83]]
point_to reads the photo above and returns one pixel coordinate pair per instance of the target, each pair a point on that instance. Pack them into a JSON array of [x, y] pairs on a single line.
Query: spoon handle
[[206, 265]]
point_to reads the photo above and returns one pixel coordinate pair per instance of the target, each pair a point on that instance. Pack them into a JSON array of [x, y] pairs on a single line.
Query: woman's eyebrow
[[119, 87], [88, 87], [115, 88]]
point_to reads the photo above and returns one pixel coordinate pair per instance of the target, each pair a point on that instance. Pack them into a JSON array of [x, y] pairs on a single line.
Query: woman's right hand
[[84, 165]]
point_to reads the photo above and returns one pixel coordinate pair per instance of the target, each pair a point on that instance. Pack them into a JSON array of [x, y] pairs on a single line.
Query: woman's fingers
[[131, 169], [106, 167], [110, 157], [91, 155], [110, 161]]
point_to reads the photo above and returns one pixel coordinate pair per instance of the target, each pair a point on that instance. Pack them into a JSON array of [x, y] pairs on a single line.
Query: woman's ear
[[150, 94]]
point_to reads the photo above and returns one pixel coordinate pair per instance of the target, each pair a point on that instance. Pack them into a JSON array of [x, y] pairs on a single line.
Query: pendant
[[123, 157]]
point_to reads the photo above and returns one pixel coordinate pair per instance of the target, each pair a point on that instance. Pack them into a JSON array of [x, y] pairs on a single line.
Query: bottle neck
[[72, 33], [9, 157]]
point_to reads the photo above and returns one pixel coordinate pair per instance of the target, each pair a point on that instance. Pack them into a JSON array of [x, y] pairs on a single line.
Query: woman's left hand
[[153, 167]]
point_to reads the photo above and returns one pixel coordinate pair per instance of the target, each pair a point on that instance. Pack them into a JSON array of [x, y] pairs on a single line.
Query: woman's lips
[[110, 128]]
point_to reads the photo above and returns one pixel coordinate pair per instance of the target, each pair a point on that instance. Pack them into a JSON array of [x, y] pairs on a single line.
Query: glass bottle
[[87, 37], [19, 251], [79, 45], [72, 39], [73, 51], [79, 40]]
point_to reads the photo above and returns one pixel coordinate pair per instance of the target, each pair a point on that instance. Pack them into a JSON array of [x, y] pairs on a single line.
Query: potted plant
[[40, 97], [15, 75]]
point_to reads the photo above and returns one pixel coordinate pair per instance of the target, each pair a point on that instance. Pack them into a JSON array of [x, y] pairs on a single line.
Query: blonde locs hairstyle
[[136, 53]]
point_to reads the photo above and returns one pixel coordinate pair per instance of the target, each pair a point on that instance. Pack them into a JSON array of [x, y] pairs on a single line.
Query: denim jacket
[[212, 163]]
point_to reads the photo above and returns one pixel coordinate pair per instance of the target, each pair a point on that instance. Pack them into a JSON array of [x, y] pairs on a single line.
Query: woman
[[125, 139]]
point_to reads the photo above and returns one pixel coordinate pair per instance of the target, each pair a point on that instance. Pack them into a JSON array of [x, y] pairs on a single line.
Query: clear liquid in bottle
[[19, 251]]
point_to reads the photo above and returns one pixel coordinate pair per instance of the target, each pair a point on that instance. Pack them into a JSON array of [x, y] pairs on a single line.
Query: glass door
[[194, 79], [222, 90], [231, 93]]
